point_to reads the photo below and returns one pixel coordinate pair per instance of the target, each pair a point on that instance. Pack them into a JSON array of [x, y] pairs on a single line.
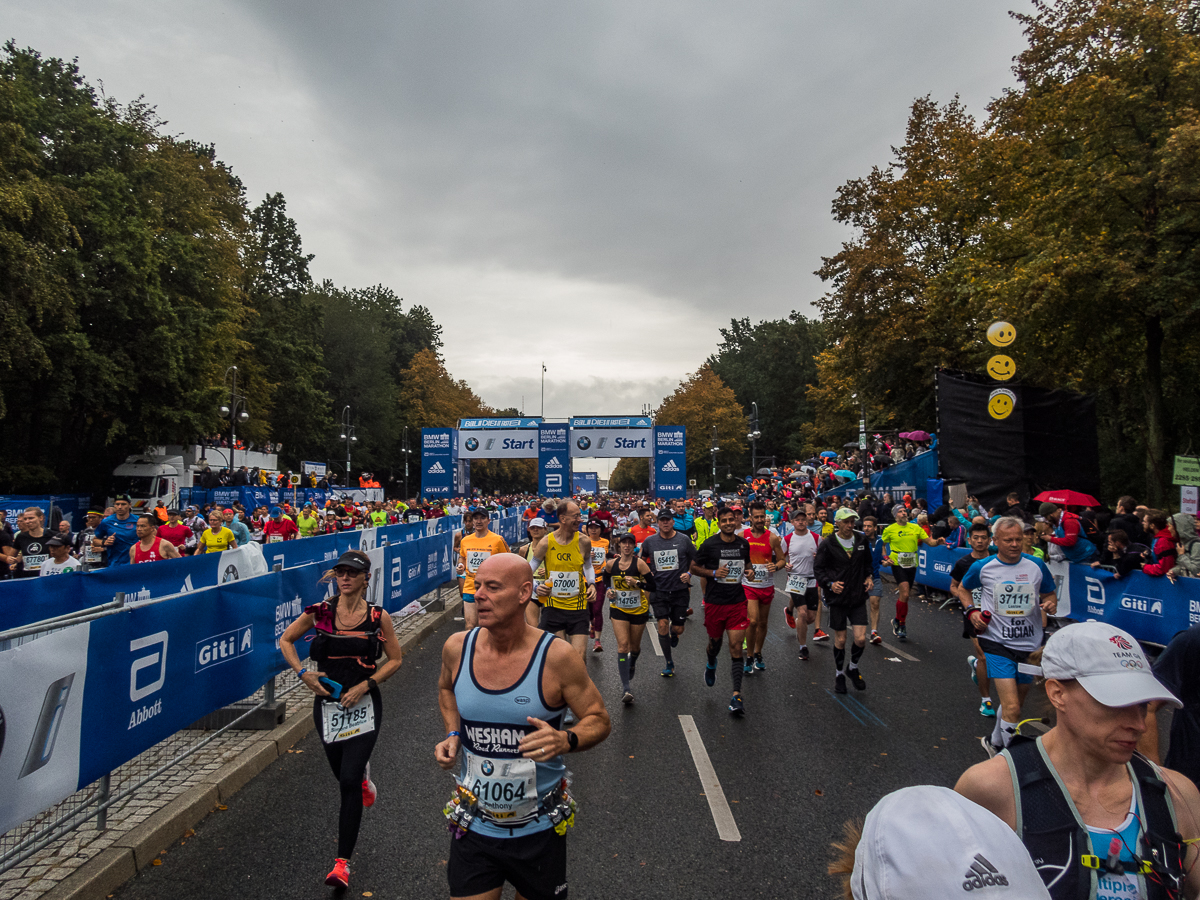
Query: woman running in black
[[347, 707], [628, 607]]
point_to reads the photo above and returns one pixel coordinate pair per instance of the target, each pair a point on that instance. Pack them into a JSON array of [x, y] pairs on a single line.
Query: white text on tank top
[[762, 571], [1011, 594], [801, 551], [493, 723], [1112, 886]]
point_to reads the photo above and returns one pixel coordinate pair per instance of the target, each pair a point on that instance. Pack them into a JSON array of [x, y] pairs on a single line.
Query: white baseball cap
[[539, 522], [1107, 662], [928, 841]]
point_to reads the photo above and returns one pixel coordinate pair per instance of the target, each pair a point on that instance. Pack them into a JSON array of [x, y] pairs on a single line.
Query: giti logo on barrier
[[157, 658], [414, 571], [1143, 605], [222, 648]]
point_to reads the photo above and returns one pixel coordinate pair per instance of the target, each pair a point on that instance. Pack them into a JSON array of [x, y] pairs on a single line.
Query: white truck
[[160, 472]]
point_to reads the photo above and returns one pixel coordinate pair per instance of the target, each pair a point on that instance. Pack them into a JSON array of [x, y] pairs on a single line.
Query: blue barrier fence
[[28, 600], [1151, 609], [909, 477], [73, 507]]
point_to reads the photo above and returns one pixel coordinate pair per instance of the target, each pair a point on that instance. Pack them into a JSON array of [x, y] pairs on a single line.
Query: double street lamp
[[235, 410], [347, 435], [753, 436], [715, 448]]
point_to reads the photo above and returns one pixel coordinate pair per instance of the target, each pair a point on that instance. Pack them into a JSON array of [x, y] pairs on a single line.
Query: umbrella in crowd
[[828, 453], [850, 445], [764, 472], [918, 435], [845, 473], [1067, 498]]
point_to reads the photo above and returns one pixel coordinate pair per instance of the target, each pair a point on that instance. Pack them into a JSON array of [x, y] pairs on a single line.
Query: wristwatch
[[371, 682], [572, 742]]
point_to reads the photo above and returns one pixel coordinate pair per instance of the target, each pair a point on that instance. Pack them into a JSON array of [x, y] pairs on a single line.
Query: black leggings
[[349, 759]]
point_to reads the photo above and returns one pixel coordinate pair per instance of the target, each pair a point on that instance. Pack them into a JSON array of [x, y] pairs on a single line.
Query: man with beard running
[[843, 569], [724, 559], [670, 555], [571, 578], [766, 558], [804, 598]]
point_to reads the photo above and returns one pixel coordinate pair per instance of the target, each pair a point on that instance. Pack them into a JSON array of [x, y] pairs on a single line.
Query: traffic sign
[[1187, 470]]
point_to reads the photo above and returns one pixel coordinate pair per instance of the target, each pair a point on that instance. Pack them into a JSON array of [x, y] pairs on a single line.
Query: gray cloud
[[599, 184]]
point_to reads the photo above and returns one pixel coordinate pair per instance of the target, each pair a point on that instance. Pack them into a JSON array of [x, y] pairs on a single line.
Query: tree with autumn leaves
[[1072, 211]]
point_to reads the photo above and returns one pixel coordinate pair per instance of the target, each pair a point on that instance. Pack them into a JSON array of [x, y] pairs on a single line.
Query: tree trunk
[[1153, 394]]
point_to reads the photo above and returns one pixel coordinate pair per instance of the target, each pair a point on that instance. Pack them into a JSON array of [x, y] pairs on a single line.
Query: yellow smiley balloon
[[1001, 334], [1001, 402], [1001, 367]]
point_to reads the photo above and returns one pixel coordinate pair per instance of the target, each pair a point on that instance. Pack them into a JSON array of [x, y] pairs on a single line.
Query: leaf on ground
[[819, 792], [156, 862]]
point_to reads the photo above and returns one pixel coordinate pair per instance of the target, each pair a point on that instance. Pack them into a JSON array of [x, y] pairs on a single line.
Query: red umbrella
[[1067, 498]]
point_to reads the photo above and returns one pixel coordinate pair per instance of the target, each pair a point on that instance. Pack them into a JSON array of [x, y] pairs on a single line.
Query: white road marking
[[652, 633], [900, 652], [727, 829]]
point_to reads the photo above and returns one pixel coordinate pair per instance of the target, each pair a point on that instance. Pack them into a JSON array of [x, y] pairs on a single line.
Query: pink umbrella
[[918, 435]]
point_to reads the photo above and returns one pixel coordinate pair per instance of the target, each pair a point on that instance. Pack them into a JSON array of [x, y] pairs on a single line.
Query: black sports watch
[[572, 742]]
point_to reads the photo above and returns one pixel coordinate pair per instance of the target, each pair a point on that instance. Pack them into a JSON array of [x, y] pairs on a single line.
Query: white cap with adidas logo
[[926, 841]]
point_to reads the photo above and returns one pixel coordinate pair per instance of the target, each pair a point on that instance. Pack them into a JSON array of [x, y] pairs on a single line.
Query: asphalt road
[[801, 763]]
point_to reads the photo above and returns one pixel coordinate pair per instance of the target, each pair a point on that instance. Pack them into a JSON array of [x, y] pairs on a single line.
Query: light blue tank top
[[492, 725], [1118, 887]]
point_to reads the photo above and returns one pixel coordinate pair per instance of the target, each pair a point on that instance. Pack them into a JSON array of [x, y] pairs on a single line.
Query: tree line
[[134, 272]]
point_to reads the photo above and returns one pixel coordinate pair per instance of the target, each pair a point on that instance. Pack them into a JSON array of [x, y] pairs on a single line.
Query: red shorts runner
[[722, 617], [763, 595]]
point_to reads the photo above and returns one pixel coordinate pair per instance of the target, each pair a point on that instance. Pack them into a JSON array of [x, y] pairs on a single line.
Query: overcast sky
[[599, 185]]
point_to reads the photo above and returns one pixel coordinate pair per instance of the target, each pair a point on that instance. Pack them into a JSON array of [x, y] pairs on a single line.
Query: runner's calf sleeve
[[664, 641], [856, 653], [737, 675], [839, 658], [623, 668], [902, 610], [714, 647]]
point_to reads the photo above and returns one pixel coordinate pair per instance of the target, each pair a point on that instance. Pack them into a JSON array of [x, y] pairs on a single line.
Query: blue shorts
[[468, 598], [1003, 667]]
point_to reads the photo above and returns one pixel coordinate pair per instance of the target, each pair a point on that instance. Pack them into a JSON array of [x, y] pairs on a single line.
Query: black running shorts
[[535, 864], [903, 575], [810, 598], [568, 621], [671, 605], [841, 616]]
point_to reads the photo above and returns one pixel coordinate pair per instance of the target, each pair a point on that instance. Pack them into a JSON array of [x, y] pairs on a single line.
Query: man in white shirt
[[61, 562]]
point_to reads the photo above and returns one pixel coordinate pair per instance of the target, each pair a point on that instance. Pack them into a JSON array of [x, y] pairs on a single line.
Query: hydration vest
[[1059, 843]]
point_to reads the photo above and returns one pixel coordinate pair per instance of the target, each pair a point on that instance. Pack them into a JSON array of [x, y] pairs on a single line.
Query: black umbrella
[[764, 471], [850, 445]]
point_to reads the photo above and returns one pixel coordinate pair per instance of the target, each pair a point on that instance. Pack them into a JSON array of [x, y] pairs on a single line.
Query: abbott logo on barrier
[[1095, 596], [157, 658], [220, 648]]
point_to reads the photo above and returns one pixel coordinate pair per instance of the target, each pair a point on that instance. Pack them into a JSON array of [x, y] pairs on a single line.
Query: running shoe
[[986, 708], [710, 674], [689, 612], [789, 617], [991, 748], [627, 698], [875, 638], [973, 661], [804, 653], [758, 662], [903, 635], [820, 637], [340, 876], [596, 648], [839, 684], [667, 672], [747, 665], [856, 679], [369, 793], [736, 706], [674, 640]]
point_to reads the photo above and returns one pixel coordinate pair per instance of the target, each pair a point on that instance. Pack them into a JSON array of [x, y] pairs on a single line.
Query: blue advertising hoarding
[[668, 468], [554, 462], [439, 462], [584, 482]]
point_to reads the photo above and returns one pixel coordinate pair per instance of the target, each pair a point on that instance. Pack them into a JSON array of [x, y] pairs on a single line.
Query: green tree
[[772, 363], [630, 474]]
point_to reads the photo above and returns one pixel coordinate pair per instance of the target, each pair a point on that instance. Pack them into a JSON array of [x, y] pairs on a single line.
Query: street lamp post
[[862, 442], [406, 452], [235, 410], [542, 414], [715, 448], [347, 436], [753, 437]]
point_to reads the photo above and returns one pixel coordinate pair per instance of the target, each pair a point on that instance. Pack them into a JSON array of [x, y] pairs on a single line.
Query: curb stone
[[133, 851]]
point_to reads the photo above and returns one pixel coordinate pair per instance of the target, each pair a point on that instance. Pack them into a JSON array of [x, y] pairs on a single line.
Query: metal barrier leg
[[269, 691], [102, 797]]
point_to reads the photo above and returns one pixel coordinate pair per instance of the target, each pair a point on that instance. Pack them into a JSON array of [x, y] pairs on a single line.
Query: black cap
[[665, 514], [355, 561], [57, 541], [124, 497]]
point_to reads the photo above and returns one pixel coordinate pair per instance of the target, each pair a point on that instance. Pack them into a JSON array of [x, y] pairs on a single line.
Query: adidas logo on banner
[[187, 585], [670, 466], [436, 469], [553, 463], [983, 874]]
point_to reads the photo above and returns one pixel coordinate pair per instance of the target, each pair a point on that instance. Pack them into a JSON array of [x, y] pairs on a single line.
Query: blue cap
[[276, 512]]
